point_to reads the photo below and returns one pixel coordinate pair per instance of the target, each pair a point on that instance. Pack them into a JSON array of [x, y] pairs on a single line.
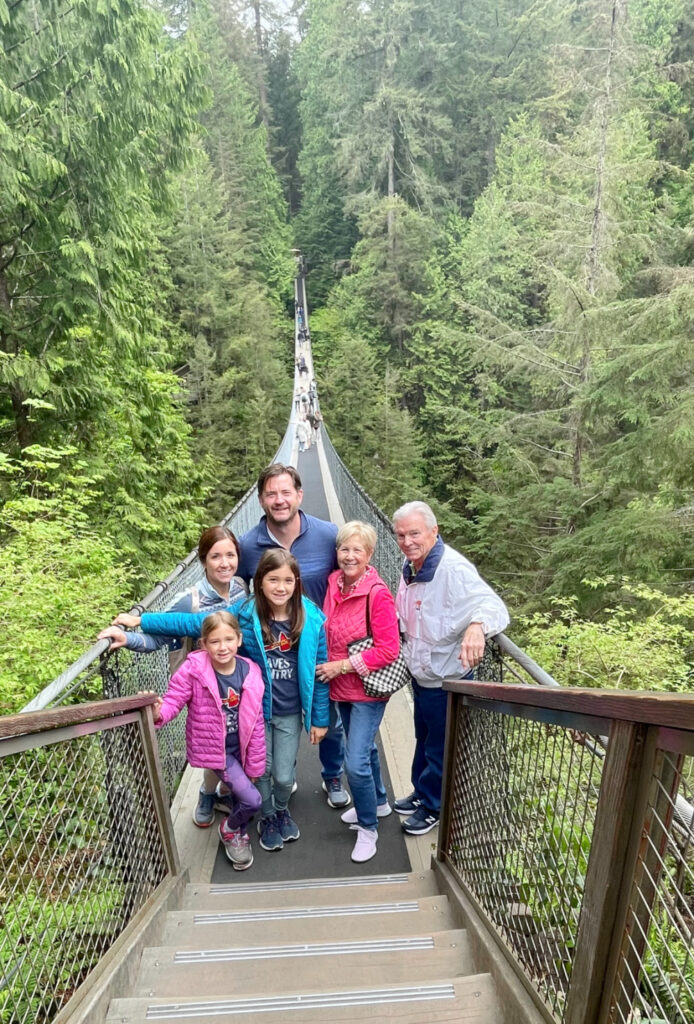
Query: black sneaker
[[407, 804], [288, 828], [268, 830], [420, 822]]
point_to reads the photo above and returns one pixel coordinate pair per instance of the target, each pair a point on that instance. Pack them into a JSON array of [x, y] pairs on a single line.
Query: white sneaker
[[350, 816], [365, 846]]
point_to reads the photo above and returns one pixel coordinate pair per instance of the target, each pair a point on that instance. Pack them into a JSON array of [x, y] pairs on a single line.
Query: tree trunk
[[262, 90], [593, 262], [22, 426], [391, 192]]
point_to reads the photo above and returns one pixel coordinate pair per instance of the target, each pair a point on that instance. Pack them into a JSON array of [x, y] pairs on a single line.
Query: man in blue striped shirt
[[312, 541]]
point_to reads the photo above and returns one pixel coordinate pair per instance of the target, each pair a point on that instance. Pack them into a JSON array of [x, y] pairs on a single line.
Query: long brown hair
[[275, 558]]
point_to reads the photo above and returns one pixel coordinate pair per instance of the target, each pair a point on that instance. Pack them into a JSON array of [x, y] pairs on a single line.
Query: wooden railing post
[[640, 895], [455, 709], [159, 794], [622, 803]]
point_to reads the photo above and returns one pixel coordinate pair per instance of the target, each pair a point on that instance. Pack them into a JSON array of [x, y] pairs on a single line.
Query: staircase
[[378, 948]]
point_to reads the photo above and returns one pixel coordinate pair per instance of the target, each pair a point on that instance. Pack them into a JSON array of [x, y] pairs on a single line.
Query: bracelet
[[345, 670]]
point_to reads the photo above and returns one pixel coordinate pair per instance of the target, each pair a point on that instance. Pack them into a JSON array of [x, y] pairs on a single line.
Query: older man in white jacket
[[446, 611]]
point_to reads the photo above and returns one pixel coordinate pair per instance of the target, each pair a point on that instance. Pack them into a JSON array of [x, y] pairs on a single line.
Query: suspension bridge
[[559, 886]]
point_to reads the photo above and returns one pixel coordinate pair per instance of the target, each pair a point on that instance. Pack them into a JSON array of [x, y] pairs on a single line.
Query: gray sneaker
[[237, 847], [203, 815], [337, 794]]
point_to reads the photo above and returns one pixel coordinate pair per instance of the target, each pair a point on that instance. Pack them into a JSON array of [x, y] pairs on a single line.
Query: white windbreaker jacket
[[434, 616]]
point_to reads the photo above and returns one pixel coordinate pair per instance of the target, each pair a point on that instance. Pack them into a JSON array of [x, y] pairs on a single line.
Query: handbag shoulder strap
[[368, 614]]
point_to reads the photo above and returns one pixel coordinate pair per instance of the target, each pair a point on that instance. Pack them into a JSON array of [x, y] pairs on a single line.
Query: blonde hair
[[366, 534], [216, 619]]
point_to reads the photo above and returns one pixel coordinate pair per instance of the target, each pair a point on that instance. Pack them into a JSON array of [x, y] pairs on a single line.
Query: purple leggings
[[246, 798]]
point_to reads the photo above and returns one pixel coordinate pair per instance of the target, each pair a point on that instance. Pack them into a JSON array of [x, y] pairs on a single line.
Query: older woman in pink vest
[[358, 602]]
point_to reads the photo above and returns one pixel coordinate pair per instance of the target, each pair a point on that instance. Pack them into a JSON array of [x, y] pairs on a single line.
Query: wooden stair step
[[309, 923], [450, 1001], [339, 964], [322, 891]]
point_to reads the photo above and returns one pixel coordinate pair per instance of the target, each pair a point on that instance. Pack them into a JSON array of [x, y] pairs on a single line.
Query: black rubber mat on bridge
[[325, 845]]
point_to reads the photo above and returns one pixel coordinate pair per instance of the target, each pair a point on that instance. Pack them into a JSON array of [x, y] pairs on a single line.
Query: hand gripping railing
[[576, 859], [85, 843]]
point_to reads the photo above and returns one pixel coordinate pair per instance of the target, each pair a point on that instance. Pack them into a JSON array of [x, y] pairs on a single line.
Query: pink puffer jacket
[[346, 621], [195, 684]]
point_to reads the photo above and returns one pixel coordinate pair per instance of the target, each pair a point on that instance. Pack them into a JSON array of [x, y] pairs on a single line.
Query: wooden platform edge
[[520, 1007], [115, 975]]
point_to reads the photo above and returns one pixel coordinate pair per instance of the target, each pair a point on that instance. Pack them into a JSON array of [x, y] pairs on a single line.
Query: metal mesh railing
[[655, 979], [523, 797], [124, 673], [80, 853], [356, 504]]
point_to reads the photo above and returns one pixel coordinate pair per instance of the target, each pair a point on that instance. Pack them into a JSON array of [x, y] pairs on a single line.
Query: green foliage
[[64, 576], [373, 435], [642, 641], [234, 340]]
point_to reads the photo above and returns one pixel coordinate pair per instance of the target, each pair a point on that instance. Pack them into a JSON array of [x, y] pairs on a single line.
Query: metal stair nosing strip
[[295, 913], [260, 1004], [327, 883], [206, 956]]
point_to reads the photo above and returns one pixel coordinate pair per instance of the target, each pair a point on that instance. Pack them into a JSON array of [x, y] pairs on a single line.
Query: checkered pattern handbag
[[382, 682]]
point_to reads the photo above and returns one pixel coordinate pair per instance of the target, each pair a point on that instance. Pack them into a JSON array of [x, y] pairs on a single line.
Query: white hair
[[415, 508]]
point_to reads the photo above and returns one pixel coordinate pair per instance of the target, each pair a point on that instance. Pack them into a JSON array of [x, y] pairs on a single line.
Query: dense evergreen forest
[[496, 202]]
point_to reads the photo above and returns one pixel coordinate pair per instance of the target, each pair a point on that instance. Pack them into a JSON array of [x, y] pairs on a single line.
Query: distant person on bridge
[[358, 603], [315, 419], [446, 611], [303, 433], [312, 542]]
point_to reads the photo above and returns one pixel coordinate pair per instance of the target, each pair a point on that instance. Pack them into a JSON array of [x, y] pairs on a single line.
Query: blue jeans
[[430, 734], [361, 720], [282, 736], [331, 749]]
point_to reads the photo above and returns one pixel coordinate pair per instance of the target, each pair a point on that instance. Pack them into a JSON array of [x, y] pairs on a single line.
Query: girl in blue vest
[[283, 633]]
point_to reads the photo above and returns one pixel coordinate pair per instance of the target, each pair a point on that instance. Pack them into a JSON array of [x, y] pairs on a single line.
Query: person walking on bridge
[[446, 611], [312, 542]]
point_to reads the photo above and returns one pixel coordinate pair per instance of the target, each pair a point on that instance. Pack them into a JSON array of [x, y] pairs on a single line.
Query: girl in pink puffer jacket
[[225, 731]]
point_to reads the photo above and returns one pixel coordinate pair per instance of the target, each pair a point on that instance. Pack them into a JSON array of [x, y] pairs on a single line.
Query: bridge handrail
[[86, 845], [577, 859], [242, 517], [388, 559]]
